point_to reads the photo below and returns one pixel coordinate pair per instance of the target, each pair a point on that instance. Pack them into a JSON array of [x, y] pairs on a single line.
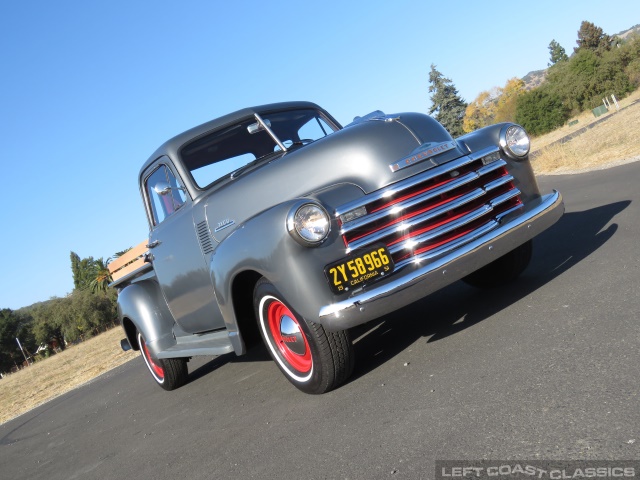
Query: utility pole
[[22, 350]]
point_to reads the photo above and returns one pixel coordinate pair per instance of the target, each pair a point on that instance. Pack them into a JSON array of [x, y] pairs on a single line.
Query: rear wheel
[[313, 359], [169, 373], [503, 270]]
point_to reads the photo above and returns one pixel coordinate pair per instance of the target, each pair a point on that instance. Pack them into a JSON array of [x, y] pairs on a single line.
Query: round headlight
[[515, 141], [311, 223]]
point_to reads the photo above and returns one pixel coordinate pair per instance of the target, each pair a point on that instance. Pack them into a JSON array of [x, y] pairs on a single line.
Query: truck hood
[[360, 155]]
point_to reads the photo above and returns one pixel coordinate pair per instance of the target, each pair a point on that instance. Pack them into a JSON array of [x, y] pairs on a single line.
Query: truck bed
[[130, 266]]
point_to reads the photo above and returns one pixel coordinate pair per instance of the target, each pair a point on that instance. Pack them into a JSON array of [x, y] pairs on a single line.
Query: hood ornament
[[425, 152]]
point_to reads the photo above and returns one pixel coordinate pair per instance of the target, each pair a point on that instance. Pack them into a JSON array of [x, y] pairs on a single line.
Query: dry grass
[[614, 141], [47, 379], [584, 119]]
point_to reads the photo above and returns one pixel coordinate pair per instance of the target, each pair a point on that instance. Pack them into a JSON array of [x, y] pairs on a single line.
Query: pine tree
[[593, 38], [557, 53], [447, 105]]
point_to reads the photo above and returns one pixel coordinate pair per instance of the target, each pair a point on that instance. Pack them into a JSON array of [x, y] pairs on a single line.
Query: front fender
[[483, 137], [142, 303], [488, 137], [263, 245]]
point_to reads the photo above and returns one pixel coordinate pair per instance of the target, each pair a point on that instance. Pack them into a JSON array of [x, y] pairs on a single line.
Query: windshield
[[228, 150]]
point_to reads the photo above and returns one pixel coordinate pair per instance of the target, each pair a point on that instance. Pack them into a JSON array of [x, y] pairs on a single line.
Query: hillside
[[624, 34], [534, 78]]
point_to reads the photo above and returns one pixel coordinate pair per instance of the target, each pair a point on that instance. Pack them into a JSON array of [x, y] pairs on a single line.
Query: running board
[[215, 343]]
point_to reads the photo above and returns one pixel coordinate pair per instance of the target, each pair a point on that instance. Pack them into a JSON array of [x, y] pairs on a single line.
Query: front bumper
[[408, 287]]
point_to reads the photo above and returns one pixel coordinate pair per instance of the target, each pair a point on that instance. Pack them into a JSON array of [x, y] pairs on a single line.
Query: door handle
[[154, 244]]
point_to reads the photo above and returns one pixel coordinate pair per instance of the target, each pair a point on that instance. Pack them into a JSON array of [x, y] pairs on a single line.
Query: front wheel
[[313, 359], [503, 270], [169, 373]]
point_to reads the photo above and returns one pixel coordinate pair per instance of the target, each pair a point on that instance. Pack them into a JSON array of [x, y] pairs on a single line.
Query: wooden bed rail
[[129, 262]]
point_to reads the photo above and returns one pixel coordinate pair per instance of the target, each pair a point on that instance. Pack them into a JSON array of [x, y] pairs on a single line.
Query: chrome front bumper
[[380, 299]]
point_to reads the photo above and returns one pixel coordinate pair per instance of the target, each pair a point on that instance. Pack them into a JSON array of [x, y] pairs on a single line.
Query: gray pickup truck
[[277, 222]]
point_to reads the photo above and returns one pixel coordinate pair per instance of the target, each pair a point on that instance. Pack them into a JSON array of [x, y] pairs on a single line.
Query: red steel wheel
[[169, 373], [313, 359], [288, 336], [156, 370]]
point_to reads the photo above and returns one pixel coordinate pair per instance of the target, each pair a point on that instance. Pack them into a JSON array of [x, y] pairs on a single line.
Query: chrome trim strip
[[422, 177], [449, 246], [398, 207], [483, 153], [505, 213], [412, 222], [491, 167], [504, 197], [469, 217], [413, 285], [498, 182], [404, 184], [446, 228]]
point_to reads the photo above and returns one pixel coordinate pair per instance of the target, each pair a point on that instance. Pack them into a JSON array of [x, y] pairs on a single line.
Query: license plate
[[359, 268]]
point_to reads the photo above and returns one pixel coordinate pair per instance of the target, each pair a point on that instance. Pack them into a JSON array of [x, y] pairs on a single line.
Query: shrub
[[541, 110]]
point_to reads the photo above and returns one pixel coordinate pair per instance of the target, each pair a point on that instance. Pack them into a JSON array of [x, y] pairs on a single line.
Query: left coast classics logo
[[426, 152]]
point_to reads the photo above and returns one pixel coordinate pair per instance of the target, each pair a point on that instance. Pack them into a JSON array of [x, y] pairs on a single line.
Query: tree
[[83, 271], [496, 105], [587, 77], [90, 274], [480, 112], [120, 253], [592, 37], [541, 110], [505, 110], [86, 312], [102, 276], [46, 323], [12, 326], [556, 53], [9, 353], [447, 105]]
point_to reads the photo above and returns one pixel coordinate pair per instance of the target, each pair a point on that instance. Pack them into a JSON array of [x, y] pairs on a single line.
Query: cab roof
[[172, 146]]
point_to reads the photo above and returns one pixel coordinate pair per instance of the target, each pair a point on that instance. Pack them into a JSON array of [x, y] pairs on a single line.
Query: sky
[[88, 90]]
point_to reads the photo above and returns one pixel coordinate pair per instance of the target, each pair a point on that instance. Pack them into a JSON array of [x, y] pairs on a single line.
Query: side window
[[166, 194]]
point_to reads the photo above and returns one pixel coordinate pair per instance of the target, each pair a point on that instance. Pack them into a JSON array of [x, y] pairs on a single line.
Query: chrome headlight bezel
[[515, 141], [306, 230]]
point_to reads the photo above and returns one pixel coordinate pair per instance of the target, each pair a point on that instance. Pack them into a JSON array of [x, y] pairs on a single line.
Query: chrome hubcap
[[291, 335]]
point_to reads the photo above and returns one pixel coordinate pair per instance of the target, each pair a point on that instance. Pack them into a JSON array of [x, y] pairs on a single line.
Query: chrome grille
[[435, 211]]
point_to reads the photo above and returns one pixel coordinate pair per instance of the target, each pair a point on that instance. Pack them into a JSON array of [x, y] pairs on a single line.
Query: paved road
[[546, 368]]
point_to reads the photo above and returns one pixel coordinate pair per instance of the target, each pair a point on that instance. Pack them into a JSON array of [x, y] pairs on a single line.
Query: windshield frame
[[233, 145]]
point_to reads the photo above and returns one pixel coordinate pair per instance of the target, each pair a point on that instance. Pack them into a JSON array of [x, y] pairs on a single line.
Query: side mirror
[[162, 188], [256, 127]]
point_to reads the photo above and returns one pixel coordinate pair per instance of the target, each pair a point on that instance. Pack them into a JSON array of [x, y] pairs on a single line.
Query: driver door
[[178, 261]]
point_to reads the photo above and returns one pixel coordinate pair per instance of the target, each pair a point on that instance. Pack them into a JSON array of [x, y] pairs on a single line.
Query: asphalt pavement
[[545, 368]]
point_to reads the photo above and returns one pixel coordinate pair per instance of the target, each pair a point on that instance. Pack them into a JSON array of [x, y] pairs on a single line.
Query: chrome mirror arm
[[270, 132]]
